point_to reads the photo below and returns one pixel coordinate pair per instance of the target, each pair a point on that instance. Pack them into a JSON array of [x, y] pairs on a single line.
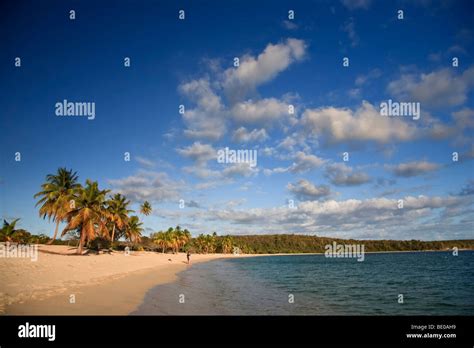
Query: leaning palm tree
[[8, 230], [133, 230], [118, 213], [57, 196], [146, 208], [90, 215]]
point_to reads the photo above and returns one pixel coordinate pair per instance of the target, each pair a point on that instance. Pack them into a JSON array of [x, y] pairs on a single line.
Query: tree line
[[98, 221]]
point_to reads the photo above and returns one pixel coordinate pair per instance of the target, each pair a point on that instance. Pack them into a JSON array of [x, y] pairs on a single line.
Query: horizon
[[327, 164]]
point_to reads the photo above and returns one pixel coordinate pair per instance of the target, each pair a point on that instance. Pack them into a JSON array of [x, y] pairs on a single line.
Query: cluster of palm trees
[[174, 239], [87, 209], [91, 212], [206, 243]]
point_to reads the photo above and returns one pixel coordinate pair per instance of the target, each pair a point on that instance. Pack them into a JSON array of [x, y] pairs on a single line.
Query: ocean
[[405, 283]]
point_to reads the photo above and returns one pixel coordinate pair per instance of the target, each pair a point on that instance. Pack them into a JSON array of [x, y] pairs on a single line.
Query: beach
[[63, 283], [60, 282]]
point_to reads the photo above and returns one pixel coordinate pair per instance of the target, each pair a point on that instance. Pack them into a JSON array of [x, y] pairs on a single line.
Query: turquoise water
[[432, 283]]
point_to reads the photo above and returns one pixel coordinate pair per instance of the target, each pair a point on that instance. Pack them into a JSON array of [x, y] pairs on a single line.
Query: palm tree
[[89, 216], [161, 239], [182, 236], [56, 194], [133, 230], [185, 237], [227, 244], [173, 241], [157, 238], [201, 243], [146, 208], [118, 213], [8, 230], [188, 235]]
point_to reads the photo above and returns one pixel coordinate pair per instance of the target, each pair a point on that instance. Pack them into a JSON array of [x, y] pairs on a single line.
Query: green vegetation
[[145, 208], [289, 243], [95, 221], [87, 212], [173, 239], [8, 233], [117, 213], [57, 194]]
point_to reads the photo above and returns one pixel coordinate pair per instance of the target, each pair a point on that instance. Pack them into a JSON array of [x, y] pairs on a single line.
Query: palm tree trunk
[[113, 235], [81, 242], [55, 233]]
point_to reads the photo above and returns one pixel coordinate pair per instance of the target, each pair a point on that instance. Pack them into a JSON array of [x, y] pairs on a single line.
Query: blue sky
[[282, 62]]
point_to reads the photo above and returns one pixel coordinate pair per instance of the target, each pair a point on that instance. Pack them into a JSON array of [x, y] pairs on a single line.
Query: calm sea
[[432, 283]]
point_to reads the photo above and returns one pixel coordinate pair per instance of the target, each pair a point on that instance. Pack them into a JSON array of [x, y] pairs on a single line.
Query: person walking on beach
[[188, 256]]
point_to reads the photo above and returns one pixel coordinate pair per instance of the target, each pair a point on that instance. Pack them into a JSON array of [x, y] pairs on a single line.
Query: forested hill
[[284, 243]]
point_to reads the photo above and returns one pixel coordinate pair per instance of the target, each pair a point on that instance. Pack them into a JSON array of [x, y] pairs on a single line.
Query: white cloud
[[277, 170], [288, 143], [202, 172], [239, 170], [349, 28], [198, 152], [225, 174], [341, 175], [303, 162], [464, 118], [377, 217], [254, 71], [439, 88], [145, 162], [148, 185], [415, 168], [371, 75], [207, 119], [290, 25], [354, 93], [264, 111], [242, 135], [305, 190], [337, 125]]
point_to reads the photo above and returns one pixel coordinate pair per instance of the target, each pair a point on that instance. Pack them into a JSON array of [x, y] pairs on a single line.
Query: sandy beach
[[63, 283]]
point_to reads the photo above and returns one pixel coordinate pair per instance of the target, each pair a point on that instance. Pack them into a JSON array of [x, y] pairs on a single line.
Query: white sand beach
[[63, 283]]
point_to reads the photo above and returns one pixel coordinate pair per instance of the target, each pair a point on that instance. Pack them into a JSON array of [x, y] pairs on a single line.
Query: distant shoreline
[[366, 252]]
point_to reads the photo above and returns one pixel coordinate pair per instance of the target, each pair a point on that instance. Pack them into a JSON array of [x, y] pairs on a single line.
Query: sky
[[334, 167]]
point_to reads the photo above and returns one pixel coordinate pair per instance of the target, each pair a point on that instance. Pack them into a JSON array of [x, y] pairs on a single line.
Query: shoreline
[[365, 252], [61, 283]]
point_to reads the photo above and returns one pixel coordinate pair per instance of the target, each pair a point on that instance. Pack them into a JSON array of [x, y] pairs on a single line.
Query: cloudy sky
[[302, 182]]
